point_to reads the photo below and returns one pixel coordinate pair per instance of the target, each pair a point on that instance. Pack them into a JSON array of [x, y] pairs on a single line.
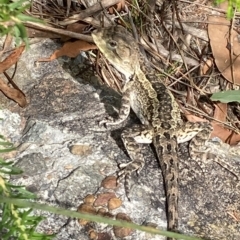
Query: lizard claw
[[107, 121], [126, 169], [123, 174]]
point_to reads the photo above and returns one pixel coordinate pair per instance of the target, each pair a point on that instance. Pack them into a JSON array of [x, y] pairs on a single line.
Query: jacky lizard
[[158, 112]]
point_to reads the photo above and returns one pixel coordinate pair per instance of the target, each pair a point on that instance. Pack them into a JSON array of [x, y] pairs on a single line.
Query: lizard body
[[157, 110]]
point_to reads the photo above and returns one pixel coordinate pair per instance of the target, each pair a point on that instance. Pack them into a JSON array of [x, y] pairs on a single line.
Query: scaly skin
[[156, 108]]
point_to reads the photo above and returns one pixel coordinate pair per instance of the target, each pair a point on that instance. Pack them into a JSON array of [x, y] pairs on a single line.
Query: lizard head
[[119, 47]]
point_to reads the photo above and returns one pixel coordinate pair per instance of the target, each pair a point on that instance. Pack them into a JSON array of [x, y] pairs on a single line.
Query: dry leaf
[[118, 7], [77, 27], [7, 44], [13, 94], [226, 135], [219, 130], [70, 49], [205, 66], [220, 112], [221, 46], [11, 59], [193, 118]]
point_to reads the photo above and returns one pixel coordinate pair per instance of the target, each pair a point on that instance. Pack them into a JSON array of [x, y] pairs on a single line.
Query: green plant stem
[[94, 218]]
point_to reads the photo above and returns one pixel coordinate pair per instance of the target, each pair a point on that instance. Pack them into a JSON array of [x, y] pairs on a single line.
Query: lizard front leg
[[133, 139], [124, 110]]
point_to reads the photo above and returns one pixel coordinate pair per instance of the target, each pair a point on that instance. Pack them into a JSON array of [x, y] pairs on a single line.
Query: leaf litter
[[13, 93]]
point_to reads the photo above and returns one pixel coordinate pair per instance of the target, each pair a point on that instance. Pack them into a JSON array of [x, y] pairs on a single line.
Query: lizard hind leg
[[199, 133], [133, 139], [198, 149]]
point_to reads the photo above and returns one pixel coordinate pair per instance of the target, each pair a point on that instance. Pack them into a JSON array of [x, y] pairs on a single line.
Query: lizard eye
[[112, 44]]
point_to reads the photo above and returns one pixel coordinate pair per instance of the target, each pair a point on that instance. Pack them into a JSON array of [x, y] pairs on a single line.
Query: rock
[[65, 155]]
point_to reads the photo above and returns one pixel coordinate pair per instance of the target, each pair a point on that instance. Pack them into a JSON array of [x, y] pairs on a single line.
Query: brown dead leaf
[[205, 66], [226, 135], [118, 7], [70, 49], [7, 44], [13, 94], [219, 34], [192, 118], [221, 46], [11, 59], [219, 130], [77, 27], [220, 112]]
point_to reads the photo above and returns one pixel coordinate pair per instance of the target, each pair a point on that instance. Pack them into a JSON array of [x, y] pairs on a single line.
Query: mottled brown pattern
[[157, 110]]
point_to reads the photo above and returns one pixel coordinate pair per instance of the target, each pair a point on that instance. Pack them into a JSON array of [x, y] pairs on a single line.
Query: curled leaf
[[11, 59], [225, 47], [70, 49], [13, 94]]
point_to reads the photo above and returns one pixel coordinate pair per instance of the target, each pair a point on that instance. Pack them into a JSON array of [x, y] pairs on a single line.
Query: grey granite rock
[[63, 113]]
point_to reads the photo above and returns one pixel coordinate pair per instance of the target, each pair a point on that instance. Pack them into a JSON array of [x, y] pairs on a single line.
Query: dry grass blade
[[89, 11]]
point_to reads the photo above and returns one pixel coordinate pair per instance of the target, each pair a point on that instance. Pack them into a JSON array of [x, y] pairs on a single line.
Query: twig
[[89, 11], [191, 30], [230, 39], [165, 53], [59, 31]]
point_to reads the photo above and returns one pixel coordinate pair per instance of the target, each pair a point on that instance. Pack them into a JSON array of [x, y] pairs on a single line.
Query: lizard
[[154, 104]]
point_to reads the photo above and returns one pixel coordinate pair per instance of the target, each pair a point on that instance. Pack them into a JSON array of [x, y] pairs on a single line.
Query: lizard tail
[[167, 156]]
